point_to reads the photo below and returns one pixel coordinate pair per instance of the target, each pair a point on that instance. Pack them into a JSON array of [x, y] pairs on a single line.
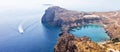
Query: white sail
[[20, 29]]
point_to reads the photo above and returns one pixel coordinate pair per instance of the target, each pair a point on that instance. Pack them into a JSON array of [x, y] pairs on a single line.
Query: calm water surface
[[95, 32], [36, 36]]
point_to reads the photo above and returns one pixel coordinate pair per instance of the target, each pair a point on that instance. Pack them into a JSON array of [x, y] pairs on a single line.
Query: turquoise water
[[95, 32]]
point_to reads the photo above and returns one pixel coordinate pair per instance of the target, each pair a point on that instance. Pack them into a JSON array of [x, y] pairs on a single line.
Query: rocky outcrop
[[70, 43], [50, 16], [62, 17]]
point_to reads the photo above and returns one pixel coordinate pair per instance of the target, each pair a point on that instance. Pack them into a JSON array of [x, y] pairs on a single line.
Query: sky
[[13, 10], [22, 4]]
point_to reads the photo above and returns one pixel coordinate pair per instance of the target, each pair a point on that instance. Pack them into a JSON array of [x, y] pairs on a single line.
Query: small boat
[[20, 29]]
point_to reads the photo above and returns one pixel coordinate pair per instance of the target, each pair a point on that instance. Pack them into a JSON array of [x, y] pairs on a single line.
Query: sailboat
[[20, 29]]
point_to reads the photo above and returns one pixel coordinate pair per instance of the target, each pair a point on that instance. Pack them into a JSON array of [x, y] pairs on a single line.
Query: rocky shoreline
[[69, 43], [68, 19]]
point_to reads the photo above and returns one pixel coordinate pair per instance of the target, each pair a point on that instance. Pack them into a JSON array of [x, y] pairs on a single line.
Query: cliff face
[[62, 17], [50, 16]]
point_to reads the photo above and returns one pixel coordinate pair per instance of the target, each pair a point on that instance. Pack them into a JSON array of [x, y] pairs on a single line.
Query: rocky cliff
[[62, 17]]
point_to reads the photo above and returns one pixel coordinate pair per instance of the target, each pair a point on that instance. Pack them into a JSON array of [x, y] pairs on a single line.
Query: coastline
[[67, 20], [70, 29]]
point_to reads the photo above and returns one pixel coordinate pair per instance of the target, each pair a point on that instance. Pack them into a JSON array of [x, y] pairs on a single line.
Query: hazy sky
[[11, 9], [75, 4]]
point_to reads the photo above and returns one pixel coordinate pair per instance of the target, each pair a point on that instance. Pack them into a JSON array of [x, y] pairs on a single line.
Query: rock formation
[[70, 43], [62, 17]]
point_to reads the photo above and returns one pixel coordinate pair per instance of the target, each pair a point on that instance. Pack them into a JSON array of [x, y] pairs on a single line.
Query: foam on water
[[20, 29]]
